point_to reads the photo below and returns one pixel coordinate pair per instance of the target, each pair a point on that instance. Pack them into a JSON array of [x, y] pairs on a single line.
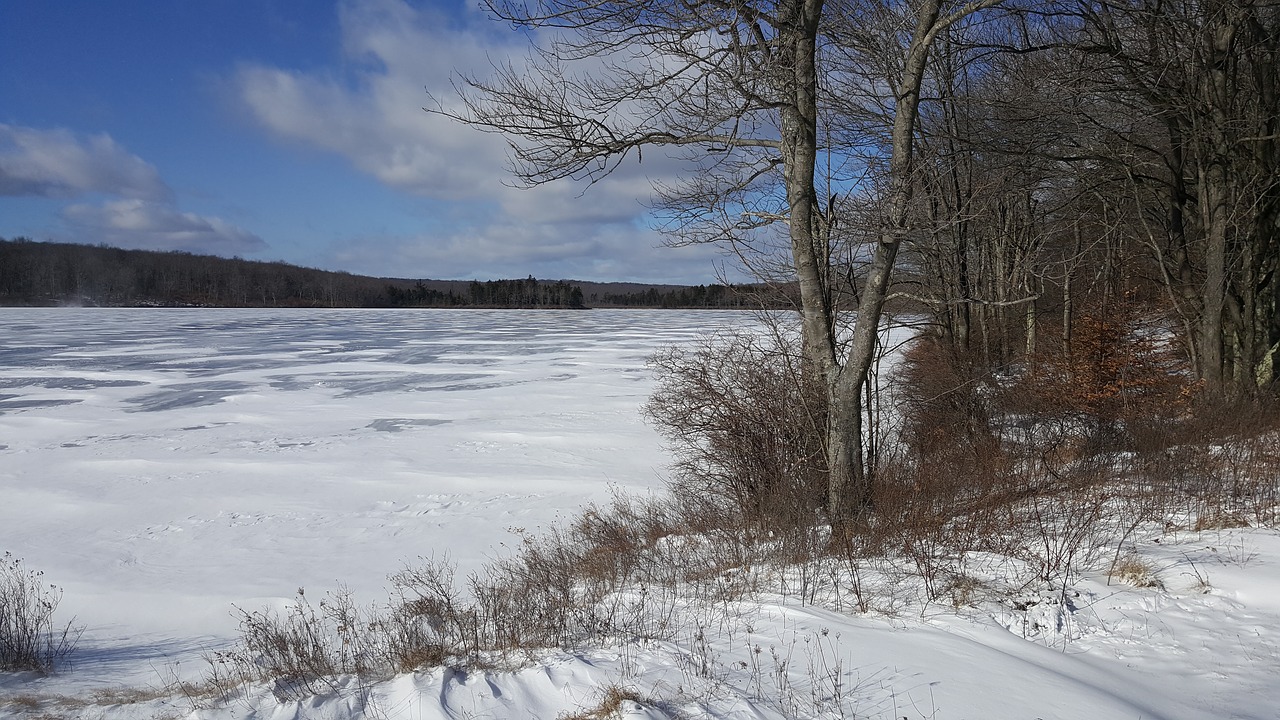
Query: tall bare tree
[[739, 83]]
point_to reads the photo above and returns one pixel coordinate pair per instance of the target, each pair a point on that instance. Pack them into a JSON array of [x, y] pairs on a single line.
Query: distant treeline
[[709, 296], [45, 273], [527, 293]]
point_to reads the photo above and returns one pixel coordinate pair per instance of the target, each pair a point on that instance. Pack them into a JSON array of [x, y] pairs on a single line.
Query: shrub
[[952, 459], [297, 648], [615, 700], [745, 423], [1120, 380], [29, 637], [1131, 569]]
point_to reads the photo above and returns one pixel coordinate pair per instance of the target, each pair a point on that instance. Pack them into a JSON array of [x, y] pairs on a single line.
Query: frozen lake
[[162, 465]]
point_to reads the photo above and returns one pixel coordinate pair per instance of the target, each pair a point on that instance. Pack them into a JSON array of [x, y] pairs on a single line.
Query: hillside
[[50, 274]]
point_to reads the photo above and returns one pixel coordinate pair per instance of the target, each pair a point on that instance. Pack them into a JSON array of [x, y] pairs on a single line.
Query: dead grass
[[137, 696], [614, 700], [60, 707], [27, 703], [1132, 569], [1219, 519]]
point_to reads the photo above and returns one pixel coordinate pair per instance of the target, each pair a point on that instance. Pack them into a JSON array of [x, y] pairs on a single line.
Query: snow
[[164, 467]]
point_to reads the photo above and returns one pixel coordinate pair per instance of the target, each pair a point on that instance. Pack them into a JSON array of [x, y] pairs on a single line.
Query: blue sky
[[292, 130]]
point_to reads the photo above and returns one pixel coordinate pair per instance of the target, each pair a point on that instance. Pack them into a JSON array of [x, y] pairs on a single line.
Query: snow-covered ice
[[161, 465], [165, 466]]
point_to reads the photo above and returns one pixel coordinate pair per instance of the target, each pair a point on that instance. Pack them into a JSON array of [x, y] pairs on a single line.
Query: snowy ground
[[164, 466]]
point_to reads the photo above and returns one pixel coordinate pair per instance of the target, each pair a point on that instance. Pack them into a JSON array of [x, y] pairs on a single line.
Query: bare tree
[[738, 84]]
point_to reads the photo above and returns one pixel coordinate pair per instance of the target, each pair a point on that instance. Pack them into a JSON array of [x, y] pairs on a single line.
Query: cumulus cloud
[[147, 225], [59, 164], [373, 115], [399, 56]]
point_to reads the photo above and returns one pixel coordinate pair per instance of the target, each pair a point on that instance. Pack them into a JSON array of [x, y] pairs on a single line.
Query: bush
[[29, 638], [303, 648], [745, 423], [1121, 378], [620, 570], [549, 593], [1220, 463]]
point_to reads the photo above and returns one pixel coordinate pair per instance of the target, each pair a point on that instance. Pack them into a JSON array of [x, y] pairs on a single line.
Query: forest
[[48, 273]]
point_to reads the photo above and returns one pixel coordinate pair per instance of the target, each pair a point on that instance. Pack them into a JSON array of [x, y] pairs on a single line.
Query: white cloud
[[374, 117], [398, 58], [58, 163], [146, 225], [380, 129]]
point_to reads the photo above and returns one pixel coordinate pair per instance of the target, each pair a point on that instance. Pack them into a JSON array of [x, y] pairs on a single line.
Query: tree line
[[526, 293], [696, 296], [46, 273]]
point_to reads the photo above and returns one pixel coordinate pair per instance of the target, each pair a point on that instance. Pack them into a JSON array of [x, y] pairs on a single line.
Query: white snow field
[[164, 467]]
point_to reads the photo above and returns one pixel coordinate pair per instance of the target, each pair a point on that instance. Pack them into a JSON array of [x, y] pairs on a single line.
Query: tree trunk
[[850, 478], [799, 121], [1215, 201]]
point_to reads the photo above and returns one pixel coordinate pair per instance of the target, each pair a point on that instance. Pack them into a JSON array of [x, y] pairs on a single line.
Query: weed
[[1131, 569], [1200, 582], [1219, 519], [27, 703], [29, 637], [614, 701]]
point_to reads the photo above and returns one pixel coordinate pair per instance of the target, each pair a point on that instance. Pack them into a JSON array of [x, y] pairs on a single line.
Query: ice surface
[[164, 464]]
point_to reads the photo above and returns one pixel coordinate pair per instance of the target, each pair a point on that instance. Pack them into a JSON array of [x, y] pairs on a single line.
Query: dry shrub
[[1121, 381], [518, 604], [745, 422], [946, 408], [986, 468], [614, 701], [1049, 467], [935, 500], [1241, 440], [559, 589], [1219, 464], [1131, 569], [745, 419], [613, 571], [1052, 460], [537, 598], [614, 539], [1063, 533], [29, 637], [305, 646]]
